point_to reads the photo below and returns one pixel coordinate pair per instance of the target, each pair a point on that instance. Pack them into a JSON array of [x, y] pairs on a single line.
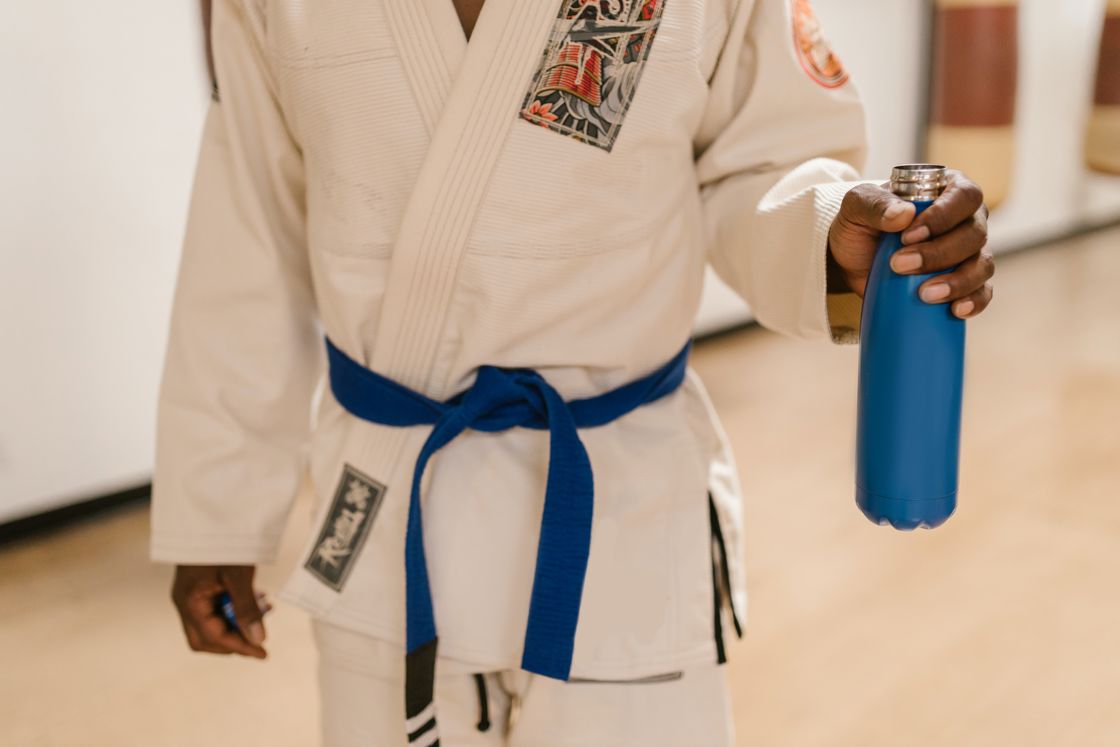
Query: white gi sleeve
[[244, 353], [776, 152]]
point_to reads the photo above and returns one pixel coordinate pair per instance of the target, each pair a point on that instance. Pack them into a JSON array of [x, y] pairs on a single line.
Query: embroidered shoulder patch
[[813, 49], [355, 505], [589, 71]]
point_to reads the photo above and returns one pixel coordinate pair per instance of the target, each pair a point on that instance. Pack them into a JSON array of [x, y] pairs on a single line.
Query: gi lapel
[[480, 107], [432, 47]]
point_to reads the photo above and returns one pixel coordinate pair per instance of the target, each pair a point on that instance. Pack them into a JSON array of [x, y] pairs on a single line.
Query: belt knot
[[504, 398]]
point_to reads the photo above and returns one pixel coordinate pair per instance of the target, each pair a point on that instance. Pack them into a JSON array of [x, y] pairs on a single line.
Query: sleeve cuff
[[213, 550], [841, 311]]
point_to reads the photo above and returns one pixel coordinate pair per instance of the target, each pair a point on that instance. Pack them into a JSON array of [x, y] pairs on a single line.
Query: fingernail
[[896, 209], [964, 308], [906, 261], [935, 292], [914, 235], [256, 633]]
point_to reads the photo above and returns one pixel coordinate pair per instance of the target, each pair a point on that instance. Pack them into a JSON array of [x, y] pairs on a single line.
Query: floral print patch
[[589, 71]]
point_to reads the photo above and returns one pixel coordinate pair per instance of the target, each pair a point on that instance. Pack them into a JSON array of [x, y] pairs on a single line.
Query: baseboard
[[73, 513], [1078, 230]]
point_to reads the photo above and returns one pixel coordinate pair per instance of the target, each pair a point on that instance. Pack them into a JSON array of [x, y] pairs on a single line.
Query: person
[[474, 237]]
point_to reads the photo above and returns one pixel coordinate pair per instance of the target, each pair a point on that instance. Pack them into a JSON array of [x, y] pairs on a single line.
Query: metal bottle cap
[[918, 182]]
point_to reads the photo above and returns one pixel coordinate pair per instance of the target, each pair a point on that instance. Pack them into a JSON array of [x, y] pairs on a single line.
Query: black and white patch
[[355, 505]]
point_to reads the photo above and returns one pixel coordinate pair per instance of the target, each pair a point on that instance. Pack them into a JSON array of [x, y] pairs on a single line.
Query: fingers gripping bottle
[[911, 367]]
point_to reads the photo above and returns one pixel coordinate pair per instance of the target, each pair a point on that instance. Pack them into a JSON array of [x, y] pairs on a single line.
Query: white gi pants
[[361, 681]]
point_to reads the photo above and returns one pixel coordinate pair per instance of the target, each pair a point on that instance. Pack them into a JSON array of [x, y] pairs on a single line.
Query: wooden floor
[[1000, 628]]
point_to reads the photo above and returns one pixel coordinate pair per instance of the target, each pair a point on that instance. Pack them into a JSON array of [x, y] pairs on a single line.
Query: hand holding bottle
[[950, 233]]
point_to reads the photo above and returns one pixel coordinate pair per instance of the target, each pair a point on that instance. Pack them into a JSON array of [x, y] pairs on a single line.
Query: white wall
[[1053, 192], [882, 42], [103, 104]]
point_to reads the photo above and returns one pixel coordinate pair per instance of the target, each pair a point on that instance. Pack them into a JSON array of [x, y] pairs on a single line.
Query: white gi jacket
[[546, 196]]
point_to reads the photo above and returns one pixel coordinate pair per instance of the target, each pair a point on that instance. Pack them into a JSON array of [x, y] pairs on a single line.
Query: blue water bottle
[[911, 369]]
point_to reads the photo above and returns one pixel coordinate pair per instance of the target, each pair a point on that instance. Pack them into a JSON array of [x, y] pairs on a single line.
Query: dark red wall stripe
[[1108, 70], [975, 66]]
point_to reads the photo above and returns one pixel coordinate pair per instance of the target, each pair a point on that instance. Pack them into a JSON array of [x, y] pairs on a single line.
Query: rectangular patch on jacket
[[589, 71], [355, 505]]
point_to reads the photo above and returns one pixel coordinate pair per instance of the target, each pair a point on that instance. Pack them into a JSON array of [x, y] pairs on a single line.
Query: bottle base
[[906, 514]]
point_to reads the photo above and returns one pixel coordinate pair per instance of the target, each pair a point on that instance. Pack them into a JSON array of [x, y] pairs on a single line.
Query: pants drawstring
[[483, 703], [724, 568]]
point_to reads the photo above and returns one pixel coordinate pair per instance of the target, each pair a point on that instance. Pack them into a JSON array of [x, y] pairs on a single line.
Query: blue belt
[[499, 400]]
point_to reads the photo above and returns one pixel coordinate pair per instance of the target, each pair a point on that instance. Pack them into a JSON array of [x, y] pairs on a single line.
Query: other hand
[[952, 232], [193, 592]]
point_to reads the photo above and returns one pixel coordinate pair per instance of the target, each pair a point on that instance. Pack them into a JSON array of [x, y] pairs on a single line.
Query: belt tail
[[419, 696], [563, 549]]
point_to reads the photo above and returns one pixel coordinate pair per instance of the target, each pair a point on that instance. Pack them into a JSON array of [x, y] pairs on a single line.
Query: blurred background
[[1001, 627]]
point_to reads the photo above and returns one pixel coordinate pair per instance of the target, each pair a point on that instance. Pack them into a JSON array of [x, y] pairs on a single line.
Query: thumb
[[238, 582], [872, 207]]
